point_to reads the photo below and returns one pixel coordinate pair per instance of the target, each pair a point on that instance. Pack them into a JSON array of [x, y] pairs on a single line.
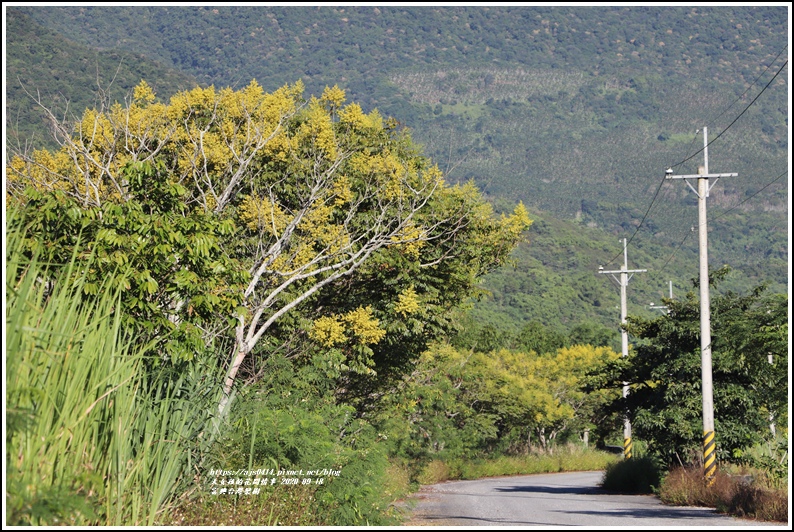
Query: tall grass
[[564, 458], [94, 436]]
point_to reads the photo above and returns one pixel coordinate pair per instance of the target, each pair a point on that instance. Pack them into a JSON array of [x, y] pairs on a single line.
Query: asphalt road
[[559, 499]]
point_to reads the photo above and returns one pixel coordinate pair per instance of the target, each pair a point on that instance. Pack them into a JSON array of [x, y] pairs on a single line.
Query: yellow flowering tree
[[319, 194]]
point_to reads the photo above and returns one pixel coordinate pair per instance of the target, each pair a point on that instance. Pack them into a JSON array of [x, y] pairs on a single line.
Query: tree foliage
[[465, 403], [664, 373], [248, 204], [177, 279]]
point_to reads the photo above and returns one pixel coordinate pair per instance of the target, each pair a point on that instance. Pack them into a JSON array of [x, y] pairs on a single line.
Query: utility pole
[[771, 414], [623, 282], [702, 192]]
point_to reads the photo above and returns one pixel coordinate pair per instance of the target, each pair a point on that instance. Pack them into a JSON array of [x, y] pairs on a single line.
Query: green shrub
[[634, 475], [291, 421]]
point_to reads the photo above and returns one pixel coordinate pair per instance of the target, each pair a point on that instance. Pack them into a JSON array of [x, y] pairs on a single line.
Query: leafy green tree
[[564, 373], [539, 338], [592, 333], [436, 412], [664, 372], [177, 280], [460, 402], [476, 336]]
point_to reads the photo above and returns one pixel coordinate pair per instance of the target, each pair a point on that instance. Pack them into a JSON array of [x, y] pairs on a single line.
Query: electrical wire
[[661, 270], [720, 215], [656, 194], [723, 213], [750, 86], [711, 121], [735, 119]]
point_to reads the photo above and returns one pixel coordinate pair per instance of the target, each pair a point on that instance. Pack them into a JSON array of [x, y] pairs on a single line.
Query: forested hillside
[[279, 265], [575, 111], [68, 77]]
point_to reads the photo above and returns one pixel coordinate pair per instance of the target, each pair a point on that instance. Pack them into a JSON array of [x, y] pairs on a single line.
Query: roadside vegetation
[[743, 492], [557, 459], [755, 487], [749, 367], [97, 430], [249, 307]]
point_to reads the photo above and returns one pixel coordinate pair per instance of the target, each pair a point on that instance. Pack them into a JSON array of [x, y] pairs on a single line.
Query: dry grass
[[728, 494], [759, 503]]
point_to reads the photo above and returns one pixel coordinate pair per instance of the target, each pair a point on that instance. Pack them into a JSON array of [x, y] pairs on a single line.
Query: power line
[[720, 215], [656, 194], [710, 122], [750, 86], [723, 213], [737, 118], [661, 270]]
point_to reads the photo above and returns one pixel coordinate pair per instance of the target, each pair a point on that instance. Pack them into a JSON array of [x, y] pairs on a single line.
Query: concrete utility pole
[[623, 282], [703, 175], [771, 414]]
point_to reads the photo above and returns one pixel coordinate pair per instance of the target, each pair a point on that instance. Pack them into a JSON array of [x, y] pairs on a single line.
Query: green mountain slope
[[576, 111], [554, 278], [352, 43], [69, 77]]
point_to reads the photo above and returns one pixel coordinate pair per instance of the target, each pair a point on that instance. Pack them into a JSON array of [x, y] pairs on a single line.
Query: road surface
[[558, 499]]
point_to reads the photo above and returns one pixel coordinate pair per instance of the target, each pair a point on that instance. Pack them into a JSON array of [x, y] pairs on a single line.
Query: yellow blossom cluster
[[328, 331], [354, 116], [410, 240], [334, 97], [317, 131], [342, 191], [358, 323], [407, 302], [209, 132], [262, 214]]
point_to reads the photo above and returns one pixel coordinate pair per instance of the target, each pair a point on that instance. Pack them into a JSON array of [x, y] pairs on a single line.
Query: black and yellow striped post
[[627, 448], [703, 176], [709, 459]]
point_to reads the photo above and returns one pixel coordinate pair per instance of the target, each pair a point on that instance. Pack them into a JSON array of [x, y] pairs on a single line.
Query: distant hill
[[69, 77], [576, 111]]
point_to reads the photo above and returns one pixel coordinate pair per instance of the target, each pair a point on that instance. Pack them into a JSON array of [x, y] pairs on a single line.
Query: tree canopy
[[294, 221], [749, 372]]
